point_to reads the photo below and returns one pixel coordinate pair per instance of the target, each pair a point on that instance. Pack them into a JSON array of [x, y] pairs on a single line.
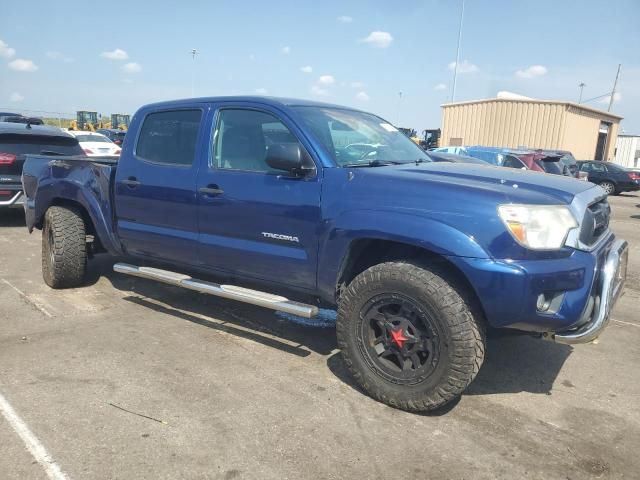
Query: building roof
[[533, 100]]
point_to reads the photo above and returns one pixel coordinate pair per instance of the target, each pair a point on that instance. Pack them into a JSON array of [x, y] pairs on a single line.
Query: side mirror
[[289, 157]]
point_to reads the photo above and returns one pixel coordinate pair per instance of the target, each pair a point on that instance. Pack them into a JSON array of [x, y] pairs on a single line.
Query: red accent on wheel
[[398, 337]]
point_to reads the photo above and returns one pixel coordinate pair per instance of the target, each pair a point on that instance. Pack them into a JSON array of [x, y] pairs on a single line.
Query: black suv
[[113, 134], [17, 140], [611, 177]]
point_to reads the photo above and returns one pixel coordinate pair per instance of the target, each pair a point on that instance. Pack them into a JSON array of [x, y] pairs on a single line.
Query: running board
[[246, 295]]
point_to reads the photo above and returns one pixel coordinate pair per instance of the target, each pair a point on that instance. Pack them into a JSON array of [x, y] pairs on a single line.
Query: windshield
[[357, 138]]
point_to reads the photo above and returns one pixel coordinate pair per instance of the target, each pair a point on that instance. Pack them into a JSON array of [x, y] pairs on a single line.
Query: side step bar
[[246, 295]]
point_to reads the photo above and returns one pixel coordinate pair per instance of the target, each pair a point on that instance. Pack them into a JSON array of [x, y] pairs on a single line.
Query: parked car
[[567, 162], [438, 156], [17, 140], [249, 199], [613, 178], [518, 158], [454, 150], [95, 144], [18, 118], [113, 134]]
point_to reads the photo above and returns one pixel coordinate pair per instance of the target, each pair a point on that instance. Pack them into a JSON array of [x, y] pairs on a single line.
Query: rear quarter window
[[169, 137]]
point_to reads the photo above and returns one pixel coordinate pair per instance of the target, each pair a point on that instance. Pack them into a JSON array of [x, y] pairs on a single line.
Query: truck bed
[[49, 180]]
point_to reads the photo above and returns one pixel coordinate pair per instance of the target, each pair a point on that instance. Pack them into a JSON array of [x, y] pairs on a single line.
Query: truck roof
[[24, 129], [273, 101]]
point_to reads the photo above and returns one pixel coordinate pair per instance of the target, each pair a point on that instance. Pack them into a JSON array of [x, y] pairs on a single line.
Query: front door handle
[[211, 190], [131, 182]]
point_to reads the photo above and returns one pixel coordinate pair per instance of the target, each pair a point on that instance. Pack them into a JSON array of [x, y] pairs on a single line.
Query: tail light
[[634, 176], [88, 151], [7, 158], [118, 142]]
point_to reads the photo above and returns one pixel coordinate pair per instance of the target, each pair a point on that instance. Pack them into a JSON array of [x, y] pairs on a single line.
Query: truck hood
[[517, 186]]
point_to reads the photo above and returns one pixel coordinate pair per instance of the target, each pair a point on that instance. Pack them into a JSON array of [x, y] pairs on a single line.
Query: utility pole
[[615, 85], [581, 85], [455, 69], [194, 52], [399, 107]]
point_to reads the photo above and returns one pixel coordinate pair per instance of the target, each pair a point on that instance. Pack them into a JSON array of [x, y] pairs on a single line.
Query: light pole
[[194, 52], [455, 68], [399, 107], [581, 85]]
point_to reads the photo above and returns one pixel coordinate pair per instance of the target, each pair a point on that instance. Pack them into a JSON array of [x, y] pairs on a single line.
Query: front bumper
[[608, 287], [509, 290]]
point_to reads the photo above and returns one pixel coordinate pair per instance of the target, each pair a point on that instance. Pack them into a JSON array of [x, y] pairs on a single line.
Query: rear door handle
[[131, 182], [211, 190]]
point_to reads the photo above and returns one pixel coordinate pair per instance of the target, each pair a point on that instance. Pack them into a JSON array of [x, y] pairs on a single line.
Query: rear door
[[155, 190], [256, 222]]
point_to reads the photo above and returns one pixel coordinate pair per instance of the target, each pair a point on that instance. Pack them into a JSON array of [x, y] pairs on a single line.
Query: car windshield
[[93, 138], [359, 139]]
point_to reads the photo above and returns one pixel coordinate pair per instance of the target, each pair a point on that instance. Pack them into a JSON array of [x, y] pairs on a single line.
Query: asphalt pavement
[[129, 379]]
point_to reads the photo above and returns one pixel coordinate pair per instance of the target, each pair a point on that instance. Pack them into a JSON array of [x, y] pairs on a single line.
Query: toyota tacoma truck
[[294, 205]]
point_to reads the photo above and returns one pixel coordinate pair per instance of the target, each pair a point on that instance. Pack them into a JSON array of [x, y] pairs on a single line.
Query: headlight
[[539, 227]]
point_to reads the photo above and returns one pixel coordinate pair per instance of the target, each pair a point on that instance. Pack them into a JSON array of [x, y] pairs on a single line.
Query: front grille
[[595, 222]]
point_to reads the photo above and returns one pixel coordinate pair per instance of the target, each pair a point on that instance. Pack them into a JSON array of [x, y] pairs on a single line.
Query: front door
[[255, 222], [155, 191]]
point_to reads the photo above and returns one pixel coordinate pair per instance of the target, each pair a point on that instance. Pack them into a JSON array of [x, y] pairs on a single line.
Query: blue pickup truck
[[294, 205]]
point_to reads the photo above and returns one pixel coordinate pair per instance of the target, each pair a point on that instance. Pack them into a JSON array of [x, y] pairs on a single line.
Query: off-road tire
[[461, 326], [608, 187], [64, 248]]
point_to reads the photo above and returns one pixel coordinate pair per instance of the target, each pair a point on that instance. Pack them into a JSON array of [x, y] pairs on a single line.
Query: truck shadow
[[12, 217], [287, 333], [513, 364]]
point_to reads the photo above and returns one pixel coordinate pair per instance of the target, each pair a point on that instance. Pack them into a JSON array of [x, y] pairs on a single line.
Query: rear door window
[[169, 137]]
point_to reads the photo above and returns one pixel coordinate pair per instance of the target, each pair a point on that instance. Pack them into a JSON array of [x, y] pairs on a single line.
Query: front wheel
[[608, 187], [408, 337], [64, 248]]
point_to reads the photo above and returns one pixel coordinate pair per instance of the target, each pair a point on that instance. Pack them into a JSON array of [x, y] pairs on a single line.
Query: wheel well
[[88, 222], [365, 253]]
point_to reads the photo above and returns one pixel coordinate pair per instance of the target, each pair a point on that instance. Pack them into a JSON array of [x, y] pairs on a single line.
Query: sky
[[389, 57]]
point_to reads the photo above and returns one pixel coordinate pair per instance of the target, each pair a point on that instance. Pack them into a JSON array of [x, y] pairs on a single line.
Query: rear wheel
[[408, 337], [64, 248], [608, 187]]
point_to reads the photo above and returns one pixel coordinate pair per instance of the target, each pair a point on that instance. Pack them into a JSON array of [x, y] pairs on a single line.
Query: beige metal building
[[513, 122]]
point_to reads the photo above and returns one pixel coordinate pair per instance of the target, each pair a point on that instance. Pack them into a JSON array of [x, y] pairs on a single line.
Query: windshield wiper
[[372, 163]]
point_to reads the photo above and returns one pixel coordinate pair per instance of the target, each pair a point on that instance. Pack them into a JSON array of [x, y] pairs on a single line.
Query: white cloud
[[378, 39], [319, 91], [261, 91], [440, 86], [356, 85], [132, 67], [306, 69], [6, 51], [285, 50], [616, 98], [16, 97], [117, 54], [532, 71], [22, 65], [60, 56], [345, 19], [362, 96], [326, 80], [465, 66]]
